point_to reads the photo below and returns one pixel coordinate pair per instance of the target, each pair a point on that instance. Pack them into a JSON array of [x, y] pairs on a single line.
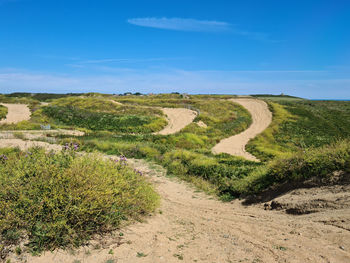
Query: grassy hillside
[[123, 125], [299, 125]]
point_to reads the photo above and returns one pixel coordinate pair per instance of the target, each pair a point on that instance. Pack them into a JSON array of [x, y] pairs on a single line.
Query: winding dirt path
[[261, 119], [193, 227], [16, 113], [178, 118]]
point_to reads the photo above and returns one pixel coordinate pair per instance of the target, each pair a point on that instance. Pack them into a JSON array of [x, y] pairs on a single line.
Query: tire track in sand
[[261, 119]]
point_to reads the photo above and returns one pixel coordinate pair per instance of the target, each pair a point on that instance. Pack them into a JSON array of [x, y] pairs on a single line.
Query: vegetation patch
[[3, 112], [319, 162], [61, 200], [102, 121]]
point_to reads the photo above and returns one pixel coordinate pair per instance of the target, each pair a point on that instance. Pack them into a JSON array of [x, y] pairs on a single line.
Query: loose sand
[[261, 119], [24, 145], [193, 227], [178, 118], [37, 134], [16, 113]]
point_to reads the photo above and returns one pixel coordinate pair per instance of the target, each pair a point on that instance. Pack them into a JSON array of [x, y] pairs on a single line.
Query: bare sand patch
[[261, 119], [201, 124], [16, 113], [36, 134], [178, 118], [25, 145]]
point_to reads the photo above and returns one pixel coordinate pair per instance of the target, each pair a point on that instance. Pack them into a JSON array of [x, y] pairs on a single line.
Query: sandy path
[[178, 118], [192, 227], [36, 134], [261, 119], [24, 145], [16, 113]]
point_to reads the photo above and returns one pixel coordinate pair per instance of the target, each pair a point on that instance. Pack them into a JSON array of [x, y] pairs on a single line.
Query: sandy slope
[[196, 228], [261, 119], [178, 118], [16, 113]]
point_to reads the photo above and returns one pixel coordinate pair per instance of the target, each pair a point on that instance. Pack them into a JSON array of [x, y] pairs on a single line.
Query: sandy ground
[[16, 113], [36, 134], [201, 124], [261, 119], [24, 145], [178, 118], [193, 227]]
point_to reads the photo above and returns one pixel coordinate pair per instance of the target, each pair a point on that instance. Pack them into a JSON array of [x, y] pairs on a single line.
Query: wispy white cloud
[[181, 24], [195, 25]]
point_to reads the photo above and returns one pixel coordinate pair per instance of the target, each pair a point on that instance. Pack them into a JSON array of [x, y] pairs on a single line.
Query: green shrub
[[101, 120], [3, 112], [60, 200], [317, 162]]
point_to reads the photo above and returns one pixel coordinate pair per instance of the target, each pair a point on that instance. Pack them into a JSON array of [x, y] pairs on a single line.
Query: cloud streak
[[181, 24], [194, 25]]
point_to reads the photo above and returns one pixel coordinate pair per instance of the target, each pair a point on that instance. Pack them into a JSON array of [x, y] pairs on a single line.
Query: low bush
[[3, 112], [316, 162], [62, 199]]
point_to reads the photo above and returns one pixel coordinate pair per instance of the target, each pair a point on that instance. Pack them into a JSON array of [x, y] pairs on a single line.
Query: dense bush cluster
[[61, 199]]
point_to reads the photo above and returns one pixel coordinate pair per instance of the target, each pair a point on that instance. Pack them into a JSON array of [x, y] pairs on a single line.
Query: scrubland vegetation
[[57, 200], [3, 112], [306, 139]]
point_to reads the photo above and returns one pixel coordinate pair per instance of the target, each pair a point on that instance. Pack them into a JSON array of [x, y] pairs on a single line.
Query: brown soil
[[261, 119], [16, 113]]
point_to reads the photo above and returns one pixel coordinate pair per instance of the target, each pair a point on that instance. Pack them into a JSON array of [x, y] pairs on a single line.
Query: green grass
[[299, 125], [3, 112], [92, 120], [61, 200], [320, 163]]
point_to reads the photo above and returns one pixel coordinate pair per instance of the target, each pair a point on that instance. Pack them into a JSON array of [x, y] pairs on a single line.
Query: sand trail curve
[[178, 118], [16, 113], [261, 119]]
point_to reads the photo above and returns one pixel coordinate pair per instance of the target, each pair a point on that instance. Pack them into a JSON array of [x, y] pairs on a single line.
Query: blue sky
[[295, 47]]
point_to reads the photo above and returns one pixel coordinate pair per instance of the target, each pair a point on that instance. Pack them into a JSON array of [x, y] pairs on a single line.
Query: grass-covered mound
[[299, 125], [317, 163], [3, 112], [59, 200]]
